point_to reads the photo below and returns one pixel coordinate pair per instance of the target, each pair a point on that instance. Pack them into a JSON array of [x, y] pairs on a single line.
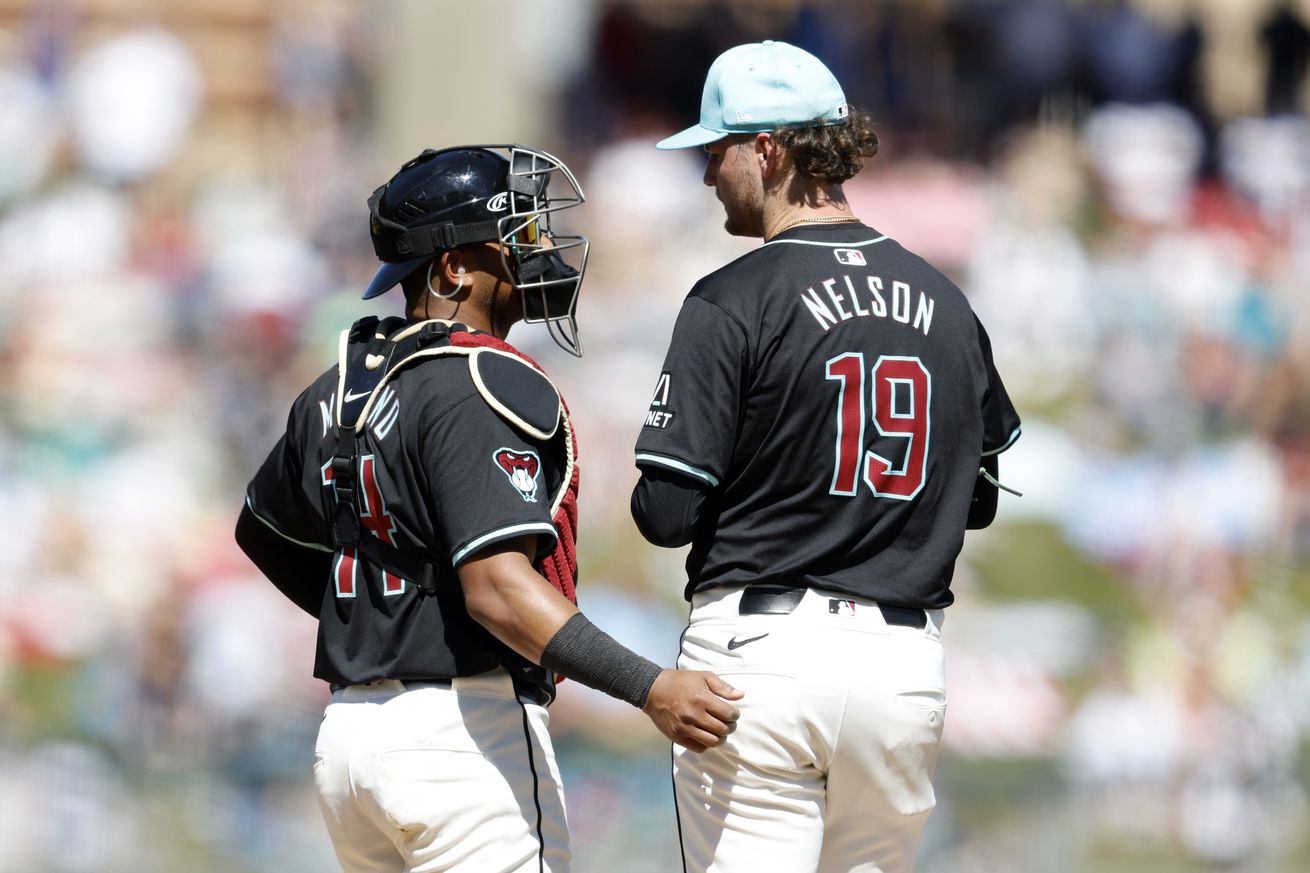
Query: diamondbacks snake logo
[[522, 469]]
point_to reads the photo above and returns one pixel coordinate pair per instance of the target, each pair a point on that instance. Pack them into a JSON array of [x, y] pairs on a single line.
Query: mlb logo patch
[[521, 468], [850, 257], [837, 606]]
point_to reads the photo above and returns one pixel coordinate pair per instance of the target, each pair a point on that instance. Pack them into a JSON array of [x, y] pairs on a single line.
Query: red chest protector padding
[[560, 567]]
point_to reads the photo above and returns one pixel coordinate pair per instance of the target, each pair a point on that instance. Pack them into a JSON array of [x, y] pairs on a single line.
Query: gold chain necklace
[[825, 219]]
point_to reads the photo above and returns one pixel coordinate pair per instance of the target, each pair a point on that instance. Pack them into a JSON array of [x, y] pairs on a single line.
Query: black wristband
[[585, 653]]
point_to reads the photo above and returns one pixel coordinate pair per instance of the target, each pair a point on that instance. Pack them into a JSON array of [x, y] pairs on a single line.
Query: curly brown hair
[[830, 153]]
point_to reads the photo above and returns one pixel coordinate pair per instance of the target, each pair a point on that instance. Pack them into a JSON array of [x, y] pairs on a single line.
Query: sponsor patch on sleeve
[[659, 416], [522, 469]]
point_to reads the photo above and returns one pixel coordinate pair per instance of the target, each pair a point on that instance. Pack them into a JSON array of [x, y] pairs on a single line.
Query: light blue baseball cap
[[762, 86]]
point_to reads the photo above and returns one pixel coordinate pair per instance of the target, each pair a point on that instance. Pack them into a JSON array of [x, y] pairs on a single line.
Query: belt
[[527, 693], [407, 684], [782, 600]]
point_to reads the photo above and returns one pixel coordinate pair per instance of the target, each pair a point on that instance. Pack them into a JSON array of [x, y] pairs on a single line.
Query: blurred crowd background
[[1122, 188]]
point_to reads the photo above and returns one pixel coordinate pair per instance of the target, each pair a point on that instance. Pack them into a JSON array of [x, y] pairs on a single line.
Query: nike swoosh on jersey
[[735, 643], [355, 395]]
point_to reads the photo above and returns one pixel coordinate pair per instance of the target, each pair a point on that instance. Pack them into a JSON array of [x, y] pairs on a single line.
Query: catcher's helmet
[[471, 194]]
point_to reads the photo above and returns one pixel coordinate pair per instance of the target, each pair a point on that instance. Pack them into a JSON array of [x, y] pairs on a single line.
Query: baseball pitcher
[[824, 430]]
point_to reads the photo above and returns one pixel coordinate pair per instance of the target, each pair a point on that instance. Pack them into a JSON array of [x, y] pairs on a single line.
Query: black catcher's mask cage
[[516, 210], [546, 266]]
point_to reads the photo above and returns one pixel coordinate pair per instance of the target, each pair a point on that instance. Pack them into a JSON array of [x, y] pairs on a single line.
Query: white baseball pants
[[434, 778], [831, 764]]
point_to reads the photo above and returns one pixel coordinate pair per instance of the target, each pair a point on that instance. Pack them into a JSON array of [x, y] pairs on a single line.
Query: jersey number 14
[[901, 395], [373, 517]]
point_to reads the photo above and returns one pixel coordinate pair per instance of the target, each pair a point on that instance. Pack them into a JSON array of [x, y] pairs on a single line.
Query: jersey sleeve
[[1000, 419], [277, 494], [486, 479], [691, 425], [667, 507]]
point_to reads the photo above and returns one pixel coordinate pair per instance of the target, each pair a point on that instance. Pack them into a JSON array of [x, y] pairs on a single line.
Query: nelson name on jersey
[[867, 297]]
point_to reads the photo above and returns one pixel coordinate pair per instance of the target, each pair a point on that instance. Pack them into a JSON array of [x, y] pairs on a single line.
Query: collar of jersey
[[831, 245]]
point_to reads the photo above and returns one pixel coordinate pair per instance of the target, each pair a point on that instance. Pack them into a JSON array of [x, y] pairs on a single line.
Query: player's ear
[[453, 269]]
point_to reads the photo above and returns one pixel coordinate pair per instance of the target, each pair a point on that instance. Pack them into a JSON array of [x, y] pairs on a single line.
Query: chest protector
[[371, 353]]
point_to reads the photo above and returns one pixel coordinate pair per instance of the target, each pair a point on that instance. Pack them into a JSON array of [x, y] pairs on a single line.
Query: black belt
[[408, 684], [527, 693], [781, 600]]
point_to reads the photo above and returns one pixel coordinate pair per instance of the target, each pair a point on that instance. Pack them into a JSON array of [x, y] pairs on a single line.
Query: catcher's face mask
[[546, 266]]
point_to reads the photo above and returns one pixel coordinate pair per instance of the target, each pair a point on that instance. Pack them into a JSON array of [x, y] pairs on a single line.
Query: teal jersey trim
[[681, 466]]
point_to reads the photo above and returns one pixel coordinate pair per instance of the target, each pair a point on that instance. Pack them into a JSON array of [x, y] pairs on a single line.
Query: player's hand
[[692, 708]]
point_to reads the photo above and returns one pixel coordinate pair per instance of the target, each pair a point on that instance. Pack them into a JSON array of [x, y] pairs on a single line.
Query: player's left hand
[[692, 708]]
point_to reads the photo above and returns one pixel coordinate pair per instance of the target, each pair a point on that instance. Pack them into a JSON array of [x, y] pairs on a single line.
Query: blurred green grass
[[1033, 560]]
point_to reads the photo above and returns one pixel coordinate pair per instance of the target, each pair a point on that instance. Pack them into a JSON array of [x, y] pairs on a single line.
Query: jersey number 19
[[901, 395]]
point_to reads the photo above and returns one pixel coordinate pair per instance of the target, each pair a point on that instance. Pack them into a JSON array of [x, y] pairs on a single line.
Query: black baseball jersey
[[441, 475], [836, 393]]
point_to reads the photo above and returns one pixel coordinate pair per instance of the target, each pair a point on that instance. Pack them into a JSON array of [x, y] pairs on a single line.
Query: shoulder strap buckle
[[343, 475], [433, 332]]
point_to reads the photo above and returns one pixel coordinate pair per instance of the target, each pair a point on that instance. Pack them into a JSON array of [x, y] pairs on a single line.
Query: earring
[[435, 293]]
